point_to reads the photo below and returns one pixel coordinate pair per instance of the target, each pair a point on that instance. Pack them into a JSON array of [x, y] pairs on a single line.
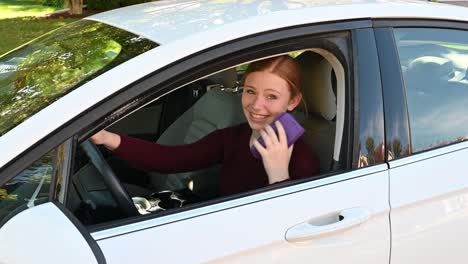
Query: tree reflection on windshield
[[44, 70]]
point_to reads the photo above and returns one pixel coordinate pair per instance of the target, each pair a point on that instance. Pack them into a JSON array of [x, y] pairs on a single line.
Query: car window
[[434, 64], [29, 79], [185, 116], [29, 188]]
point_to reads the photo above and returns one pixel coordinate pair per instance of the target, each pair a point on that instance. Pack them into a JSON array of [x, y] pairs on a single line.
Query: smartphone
[[292, 128]]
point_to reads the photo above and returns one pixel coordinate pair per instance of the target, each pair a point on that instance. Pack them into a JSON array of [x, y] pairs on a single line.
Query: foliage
[[102, 4], [21, 8], [111, 4], [133, 2], [5, 196], [41, 72], [30, 28], [56, 3]]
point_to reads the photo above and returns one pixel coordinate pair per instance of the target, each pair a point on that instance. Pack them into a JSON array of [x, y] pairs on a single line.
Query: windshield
[[49, 67]]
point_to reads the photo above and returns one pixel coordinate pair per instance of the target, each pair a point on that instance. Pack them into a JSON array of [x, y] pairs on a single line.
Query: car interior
[[187, 115]]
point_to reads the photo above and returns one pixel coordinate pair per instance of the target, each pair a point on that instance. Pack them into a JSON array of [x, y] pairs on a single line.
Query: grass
[[17, 31], [21, 8], [22, 21]]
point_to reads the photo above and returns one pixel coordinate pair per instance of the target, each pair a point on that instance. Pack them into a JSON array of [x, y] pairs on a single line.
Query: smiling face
[[265, 96]]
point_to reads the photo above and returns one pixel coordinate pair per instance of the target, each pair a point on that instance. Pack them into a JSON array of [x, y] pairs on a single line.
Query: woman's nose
[[257, 102]]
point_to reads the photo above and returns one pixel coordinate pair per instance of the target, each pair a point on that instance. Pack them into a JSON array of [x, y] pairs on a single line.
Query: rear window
[[434, 63], [42, 71]]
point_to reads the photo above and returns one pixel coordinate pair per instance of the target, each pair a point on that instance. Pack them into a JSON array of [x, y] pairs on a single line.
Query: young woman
[[271, 87]]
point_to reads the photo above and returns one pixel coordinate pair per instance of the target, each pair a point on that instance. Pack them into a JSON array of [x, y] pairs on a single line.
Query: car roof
[[168, 21]]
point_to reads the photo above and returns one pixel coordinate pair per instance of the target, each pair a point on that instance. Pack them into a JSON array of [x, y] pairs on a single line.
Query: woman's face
[[265, 96]]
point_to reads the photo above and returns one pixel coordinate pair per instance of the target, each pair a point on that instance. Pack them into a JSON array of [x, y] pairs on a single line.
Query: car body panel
[[50, 238], [169, 21], [429, 199], [256, 232]]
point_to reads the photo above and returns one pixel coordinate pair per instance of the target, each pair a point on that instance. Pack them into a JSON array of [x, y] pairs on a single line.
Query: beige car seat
[[319, 92], [216, 109]]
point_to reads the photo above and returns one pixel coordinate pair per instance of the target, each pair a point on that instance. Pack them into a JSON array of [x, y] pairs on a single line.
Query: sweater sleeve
[[304, 162], [149, 156]]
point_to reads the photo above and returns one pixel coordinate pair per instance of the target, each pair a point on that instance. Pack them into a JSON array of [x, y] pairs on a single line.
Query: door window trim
[[420, 23], [397, 124]]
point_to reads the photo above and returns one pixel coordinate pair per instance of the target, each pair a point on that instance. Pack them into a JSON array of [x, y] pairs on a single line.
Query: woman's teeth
[[256, 116]]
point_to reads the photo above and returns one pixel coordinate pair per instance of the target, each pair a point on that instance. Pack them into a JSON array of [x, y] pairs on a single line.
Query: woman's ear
[[293, 102]]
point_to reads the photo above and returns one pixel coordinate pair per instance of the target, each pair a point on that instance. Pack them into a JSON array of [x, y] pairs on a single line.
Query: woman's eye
[[249, 91], [272, 97]]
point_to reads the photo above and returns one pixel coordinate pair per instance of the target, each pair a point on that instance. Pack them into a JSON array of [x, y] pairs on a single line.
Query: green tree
[[370, 147]]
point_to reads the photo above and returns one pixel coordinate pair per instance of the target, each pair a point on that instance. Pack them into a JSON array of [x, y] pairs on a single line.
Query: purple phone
[[292, 128]]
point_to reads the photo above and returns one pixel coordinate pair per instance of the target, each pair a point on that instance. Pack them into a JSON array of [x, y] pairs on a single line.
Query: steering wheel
[[124, 201]]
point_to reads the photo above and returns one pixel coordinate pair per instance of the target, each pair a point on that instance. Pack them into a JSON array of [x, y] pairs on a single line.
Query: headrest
[[317, 87], [431, 68], [227, 78], [228, 108]]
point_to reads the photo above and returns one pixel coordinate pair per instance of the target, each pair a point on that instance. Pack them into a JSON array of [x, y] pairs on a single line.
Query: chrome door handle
[[328, 224]]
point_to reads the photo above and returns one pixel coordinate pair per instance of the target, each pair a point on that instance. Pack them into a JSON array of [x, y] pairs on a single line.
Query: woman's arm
[[149, 156]]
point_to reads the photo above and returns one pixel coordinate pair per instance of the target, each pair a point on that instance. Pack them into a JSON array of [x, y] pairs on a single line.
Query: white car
[[387, 92]]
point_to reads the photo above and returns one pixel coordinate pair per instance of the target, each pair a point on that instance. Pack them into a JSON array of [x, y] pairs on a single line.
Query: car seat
[[216, 109], [319, 94]]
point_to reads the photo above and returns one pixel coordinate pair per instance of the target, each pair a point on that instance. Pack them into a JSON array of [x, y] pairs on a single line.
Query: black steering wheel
[[124, 201]]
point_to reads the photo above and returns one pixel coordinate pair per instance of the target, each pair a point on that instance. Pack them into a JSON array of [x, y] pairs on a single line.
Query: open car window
[[187, 115]]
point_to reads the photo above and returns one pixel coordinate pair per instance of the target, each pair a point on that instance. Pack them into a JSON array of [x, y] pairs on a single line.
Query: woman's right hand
[[110, 140]]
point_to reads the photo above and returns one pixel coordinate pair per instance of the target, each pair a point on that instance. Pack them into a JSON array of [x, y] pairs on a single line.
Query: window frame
[[255, 52]]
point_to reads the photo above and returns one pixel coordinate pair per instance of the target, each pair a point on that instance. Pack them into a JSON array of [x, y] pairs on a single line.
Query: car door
[[35, 229], [342, 216], [426, 131]]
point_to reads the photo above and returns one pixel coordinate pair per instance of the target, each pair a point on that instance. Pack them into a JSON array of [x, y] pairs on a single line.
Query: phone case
[[292, 128]]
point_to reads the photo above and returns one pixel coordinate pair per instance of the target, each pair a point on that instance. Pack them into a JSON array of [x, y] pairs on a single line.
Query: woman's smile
[[258, 117]]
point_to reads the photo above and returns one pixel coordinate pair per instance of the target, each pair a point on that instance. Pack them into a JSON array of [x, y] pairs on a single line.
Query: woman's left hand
[[275, 154]]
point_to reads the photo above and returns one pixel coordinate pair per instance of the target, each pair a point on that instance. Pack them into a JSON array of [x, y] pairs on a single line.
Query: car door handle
[[328, 224]]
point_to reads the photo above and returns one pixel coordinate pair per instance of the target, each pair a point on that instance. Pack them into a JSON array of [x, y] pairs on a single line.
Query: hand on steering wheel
[[124, 201]]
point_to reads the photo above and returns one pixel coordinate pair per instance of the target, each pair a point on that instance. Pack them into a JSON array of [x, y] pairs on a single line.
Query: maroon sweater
[[240, 170]]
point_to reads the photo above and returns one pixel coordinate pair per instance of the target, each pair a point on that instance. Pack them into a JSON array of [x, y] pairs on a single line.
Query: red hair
[[284, 67]]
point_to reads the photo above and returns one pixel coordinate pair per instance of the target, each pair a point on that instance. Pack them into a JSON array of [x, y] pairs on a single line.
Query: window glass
[[29, 188], [434, 63], [46, 69]]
